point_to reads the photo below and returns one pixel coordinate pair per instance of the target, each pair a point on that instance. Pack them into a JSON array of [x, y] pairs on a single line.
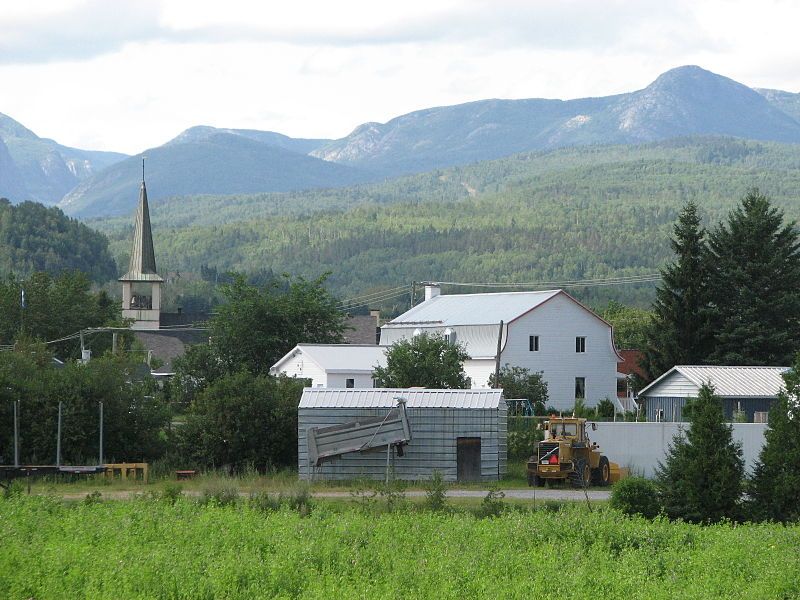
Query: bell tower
[[141, 285]]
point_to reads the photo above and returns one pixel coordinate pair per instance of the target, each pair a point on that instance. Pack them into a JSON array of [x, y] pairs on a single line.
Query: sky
[[129, 75]]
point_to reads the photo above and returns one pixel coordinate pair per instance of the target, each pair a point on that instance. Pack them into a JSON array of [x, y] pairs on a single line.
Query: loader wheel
[[602, 474], [581, 476]]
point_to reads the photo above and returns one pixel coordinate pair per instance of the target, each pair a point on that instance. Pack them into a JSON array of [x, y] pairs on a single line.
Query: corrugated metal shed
[[387, 398], [472, 309], [459, 433], [732, 382]]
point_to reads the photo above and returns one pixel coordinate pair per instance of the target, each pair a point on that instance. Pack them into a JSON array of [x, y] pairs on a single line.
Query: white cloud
[[130, 75]]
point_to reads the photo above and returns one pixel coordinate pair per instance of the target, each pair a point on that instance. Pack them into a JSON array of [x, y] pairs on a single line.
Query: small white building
[[547, 331], [746, 390], [332, 365]]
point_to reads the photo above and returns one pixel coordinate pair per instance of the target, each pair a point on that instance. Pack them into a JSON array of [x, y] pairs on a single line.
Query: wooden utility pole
[[497, 358]]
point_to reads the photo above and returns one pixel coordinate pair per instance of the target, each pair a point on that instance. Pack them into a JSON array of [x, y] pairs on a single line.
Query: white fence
[[641, 446]]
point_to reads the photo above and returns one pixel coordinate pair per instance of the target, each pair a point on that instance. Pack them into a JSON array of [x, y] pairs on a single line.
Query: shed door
[[468, 459]]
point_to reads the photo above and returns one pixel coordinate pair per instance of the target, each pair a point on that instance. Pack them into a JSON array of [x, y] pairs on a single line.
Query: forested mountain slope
[[34, 237], [204, 160], [568, 214]]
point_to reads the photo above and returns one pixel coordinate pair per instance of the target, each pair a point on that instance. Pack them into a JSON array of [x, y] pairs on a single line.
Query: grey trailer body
[[460, 433]]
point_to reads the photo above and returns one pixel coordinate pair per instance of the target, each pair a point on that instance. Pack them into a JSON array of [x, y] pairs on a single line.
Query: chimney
[[432, 290]]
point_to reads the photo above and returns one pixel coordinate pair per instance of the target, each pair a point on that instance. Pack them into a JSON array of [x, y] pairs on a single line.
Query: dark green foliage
[[519, 383], [56, 307], [754, 282], [701, 479], [134, 415], [241, 420], [630, 324], [636, 496], [774, 488], [492, 504], [436, 493], [255, 327], [220, 495], [37, 238], [679, 332], [426, 360], [605, 409]]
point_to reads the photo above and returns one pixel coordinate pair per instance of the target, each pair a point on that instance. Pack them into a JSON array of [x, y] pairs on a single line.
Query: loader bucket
[[617, 472]]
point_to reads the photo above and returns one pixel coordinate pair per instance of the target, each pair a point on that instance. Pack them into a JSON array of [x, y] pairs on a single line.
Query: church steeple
[[142, 265], [141, 285]]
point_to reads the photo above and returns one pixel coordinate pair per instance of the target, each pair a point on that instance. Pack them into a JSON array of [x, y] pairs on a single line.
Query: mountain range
[[686, 101]]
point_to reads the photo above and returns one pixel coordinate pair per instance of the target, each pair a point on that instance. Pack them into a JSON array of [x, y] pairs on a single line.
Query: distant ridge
[[205, 160], [683, 101], [38, 169]]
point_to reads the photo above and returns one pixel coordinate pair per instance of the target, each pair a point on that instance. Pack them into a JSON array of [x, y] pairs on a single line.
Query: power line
[[366, 297], [623, 280]]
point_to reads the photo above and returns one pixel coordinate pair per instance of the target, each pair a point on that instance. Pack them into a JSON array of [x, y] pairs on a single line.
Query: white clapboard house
[[546, 331], [332, 365]]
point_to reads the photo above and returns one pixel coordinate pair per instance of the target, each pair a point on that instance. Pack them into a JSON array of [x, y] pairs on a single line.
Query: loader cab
[[564, 428]]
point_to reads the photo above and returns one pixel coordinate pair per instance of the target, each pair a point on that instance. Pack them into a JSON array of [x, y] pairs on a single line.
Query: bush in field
[[775, 486], [436, 493], [636, 496], [220, 495], [701, 480], [244, 419], [492, 504]]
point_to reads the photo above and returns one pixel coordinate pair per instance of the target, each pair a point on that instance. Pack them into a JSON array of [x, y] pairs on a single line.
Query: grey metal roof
[[142, 266], [339, 357], [386, 398], [472, 309], [737, 382]]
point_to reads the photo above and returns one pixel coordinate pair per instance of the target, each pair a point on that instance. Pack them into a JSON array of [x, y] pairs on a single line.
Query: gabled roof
[[341, 358], [142, 265], [387, 398], [735, 382], [472, 309]]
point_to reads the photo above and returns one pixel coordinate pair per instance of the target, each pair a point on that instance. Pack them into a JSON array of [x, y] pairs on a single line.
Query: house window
[[580, 388], [349, 383], [533, 343], [580, 344]]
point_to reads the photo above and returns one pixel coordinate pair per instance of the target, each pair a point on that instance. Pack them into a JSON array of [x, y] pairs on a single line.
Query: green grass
[[155, 549]]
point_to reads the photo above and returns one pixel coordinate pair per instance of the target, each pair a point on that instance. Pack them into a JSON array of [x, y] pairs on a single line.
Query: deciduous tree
[[426, 360]]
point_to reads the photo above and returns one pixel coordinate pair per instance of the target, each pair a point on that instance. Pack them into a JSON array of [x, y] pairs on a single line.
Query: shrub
[[436, 493], [92, 498], [493, 504], [12, 490], [636, 496], [171, 493], [605, 409], [224, 495], [394, 493]]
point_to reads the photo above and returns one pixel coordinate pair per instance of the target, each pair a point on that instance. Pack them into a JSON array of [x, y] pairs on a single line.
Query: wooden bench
[[185, 474]]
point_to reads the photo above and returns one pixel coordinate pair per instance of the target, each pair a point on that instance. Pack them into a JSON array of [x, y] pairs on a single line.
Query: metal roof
[[472, 309], [387, 398], [339, 357], [142, 265], [736, 382]]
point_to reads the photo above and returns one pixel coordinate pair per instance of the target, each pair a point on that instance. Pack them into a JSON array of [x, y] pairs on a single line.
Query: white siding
[[302, 367], [557, 323], [339, 380], [479, 372], [674, 385]]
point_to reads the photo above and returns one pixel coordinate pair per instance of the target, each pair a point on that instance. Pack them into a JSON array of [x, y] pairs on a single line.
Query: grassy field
[[151, 548]]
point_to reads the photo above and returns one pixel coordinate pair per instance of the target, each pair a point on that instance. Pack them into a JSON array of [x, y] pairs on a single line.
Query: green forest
[[577, 213], [36, 238]]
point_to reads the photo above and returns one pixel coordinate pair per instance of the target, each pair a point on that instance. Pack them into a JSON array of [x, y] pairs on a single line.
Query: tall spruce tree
[[678, 332], [774, 488], [701, 480], [754, 283]]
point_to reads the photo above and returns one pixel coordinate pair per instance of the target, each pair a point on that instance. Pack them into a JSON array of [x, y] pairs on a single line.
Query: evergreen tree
[[424, 361], [755, 277], [701, 480], [775, 486], [679, 333]]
